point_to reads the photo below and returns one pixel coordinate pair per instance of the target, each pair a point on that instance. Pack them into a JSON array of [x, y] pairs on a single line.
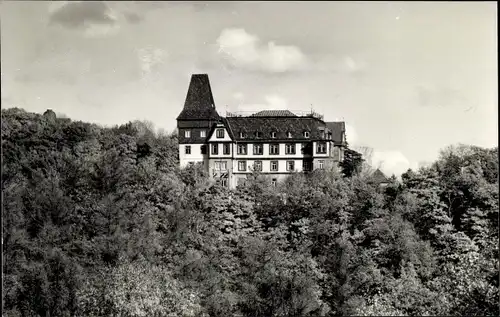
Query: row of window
[[203, 134], [219, 133], [258, 149], [274, 166], [273, 135]]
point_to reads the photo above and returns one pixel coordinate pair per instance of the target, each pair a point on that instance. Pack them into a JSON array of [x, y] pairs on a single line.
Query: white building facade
[[276, 143]]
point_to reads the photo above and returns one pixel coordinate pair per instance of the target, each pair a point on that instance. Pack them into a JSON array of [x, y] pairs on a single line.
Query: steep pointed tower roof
[[199, 104]]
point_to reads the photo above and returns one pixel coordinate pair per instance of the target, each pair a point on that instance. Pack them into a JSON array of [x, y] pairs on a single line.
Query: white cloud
[[392, 162], [244, 50], [351, 135], [272, 102], [150, 59], [349, 64]]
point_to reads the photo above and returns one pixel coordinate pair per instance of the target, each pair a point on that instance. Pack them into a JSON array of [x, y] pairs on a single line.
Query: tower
[[195, 121]]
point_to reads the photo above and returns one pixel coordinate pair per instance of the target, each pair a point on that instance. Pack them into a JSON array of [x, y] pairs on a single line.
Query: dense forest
[[100, 221]]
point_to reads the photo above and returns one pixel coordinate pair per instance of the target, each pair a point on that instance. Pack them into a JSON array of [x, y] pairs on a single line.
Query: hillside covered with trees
[[101, 222]]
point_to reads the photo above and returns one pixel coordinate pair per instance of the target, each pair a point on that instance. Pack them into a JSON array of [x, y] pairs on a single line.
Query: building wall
[[194, 157], [265, 154], [266, 165], [332, 156], [216, 174]]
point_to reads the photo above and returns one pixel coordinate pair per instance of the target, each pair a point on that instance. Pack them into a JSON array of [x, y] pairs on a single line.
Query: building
[[379, 178], [274, 142]]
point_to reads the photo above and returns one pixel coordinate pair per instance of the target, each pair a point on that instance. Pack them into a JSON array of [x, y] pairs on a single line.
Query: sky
[[408, 78]]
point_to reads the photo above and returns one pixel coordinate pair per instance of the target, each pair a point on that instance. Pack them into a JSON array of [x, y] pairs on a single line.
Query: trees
[[96, 225], [352, 163]]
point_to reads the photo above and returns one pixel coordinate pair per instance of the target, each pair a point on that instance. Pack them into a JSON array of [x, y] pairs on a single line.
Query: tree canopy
[[101, 221]]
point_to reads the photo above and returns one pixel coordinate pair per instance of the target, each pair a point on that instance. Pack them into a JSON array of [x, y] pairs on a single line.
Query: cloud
[[95, 18], [244, 50], [271, 102], [150, 59], [392, 162], [79, 14], [133, 17], [351, 135], [348, 64]]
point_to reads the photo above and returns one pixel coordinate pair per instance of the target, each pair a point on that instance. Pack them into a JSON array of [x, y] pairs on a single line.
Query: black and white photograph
[[249, 158]]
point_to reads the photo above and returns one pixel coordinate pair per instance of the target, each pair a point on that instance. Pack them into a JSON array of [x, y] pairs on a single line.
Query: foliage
[[101, 221], [352, 163]]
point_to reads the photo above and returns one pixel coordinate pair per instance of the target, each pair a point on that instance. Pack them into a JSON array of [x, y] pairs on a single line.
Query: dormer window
[[289, 135], [322, 133], [273, 135], [187, 134], [258, 134], [306, 134], [220, 133], [242, 135], [203, 133]]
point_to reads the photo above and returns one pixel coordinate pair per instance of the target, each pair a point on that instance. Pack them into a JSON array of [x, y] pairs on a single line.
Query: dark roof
[[379, 177], [337, 129], [274, 113], [281, 125], [199, 104], [228, 126]]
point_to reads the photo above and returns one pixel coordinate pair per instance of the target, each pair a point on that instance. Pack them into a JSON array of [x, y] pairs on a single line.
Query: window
[[274, 166], [321, 133], [220, 166], [306, 134], [242, 149], [290, 165], [273, 135], [290, 149], [273, 182], [257, 166], [242, 166], [258, 134], [187, 134], [306, 166], [258, 149], [215, 149], [188, 149], [321, 148], [223, 182], [274, 149], [203, 133], [220, 133], [321, 164], [242, 135], [289, 135], [203, 149], [226, 148]]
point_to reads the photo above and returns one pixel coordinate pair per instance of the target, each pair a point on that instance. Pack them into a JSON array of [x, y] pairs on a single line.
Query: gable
[[220, 133]]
